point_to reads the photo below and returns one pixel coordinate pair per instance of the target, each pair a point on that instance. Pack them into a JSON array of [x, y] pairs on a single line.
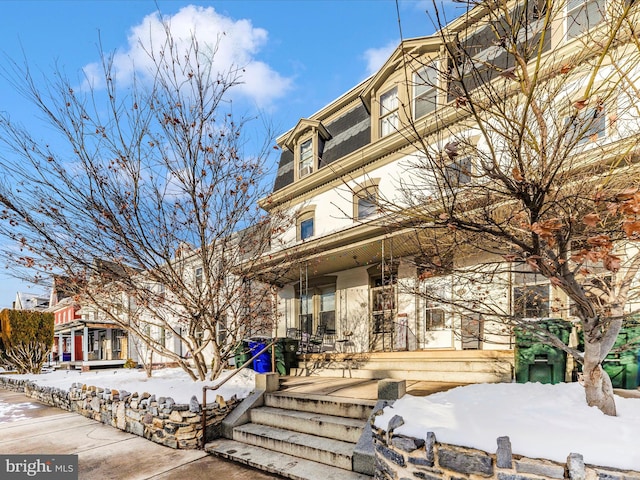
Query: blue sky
[[301, 54]]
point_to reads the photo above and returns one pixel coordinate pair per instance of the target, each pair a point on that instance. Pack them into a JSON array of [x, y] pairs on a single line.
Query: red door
[[78, 346]]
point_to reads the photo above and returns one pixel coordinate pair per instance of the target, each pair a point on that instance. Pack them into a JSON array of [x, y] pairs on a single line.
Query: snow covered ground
[[168, 382], [542, 421]]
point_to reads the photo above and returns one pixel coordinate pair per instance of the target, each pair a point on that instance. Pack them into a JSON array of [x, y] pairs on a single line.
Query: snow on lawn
[[542, 421], [168, 382]]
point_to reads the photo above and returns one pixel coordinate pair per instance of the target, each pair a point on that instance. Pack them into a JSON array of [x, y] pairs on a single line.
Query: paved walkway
[[104, 452], [29, 427]]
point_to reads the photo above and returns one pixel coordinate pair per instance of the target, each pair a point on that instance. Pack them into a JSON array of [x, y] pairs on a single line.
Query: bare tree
[[146, 197], [528, 173]]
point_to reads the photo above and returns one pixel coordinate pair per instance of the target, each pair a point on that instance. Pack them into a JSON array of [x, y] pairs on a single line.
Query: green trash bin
[[622, 363], [538, 362], [242, 353], [286, 356], [291, 353]]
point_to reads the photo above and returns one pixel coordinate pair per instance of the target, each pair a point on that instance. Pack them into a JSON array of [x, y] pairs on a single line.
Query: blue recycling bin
[[262, 363]]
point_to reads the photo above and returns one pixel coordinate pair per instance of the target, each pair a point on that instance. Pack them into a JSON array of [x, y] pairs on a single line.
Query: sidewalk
[[28, 427]]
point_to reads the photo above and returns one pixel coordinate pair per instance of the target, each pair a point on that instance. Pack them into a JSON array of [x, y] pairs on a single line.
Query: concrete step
[[329, 426], [425, 376], [322, 404], [310, 447], [286, 466]]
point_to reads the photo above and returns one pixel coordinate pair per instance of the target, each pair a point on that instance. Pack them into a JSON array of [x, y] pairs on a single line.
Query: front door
[[383, 318]]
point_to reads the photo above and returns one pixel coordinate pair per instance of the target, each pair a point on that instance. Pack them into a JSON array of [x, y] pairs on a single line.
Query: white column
[[85, 343], [73, 344], [109, 344], [60, 346]]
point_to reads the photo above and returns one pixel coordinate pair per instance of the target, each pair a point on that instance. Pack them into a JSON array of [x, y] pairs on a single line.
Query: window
[[306, 158], [588, 125], [530, 295], [435, 319], [458, 172], [221, 331], [328, 308], [306, 228], [389, 118], [198, 277], [305, 318], [133, 303], [367, 205], [531, 301], [582, 15], [365, 199], [425, 92]]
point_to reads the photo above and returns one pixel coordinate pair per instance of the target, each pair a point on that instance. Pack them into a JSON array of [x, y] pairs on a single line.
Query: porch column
[[73, 345], [60, 346], [85, 343], [109, 355]]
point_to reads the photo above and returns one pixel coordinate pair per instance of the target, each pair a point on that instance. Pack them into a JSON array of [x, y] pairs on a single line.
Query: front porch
[[85, 345]]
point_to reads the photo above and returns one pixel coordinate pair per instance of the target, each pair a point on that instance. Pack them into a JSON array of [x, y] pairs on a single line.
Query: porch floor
[[365, 389]]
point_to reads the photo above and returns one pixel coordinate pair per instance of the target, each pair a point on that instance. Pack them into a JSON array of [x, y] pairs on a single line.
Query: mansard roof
[[344, 135]]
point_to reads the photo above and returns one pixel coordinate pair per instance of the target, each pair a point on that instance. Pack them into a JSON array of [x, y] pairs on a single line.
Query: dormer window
[[425, 91], [389, 118], [306, 158], [306, 141]]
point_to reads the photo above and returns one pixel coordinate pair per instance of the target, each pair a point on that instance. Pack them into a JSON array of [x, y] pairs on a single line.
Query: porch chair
[[315, 341], [293, 333]]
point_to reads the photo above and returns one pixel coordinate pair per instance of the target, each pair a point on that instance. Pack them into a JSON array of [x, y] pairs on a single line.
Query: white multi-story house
[[345, 172]]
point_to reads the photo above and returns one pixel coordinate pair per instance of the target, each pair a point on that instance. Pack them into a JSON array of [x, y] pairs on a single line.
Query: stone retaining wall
[[402, 458], [160, 420]]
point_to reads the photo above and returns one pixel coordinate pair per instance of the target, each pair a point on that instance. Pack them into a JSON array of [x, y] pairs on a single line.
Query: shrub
[[27, 337], [130, 363]]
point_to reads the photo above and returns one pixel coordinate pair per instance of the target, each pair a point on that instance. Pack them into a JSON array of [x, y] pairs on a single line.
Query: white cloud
[[375, 57], [236, 44]]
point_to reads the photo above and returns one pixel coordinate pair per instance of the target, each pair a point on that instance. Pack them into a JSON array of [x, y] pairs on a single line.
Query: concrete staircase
[[300, 436]]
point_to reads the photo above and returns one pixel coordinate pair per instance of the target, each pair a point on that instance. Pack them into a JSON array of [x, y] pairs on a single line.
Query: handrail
[[217, 386]]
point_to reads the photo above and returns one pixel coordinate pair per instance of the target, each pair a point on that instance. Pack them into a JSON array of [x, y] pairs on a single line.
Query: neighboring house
[[346, 265], [82, 338], [30, 301]]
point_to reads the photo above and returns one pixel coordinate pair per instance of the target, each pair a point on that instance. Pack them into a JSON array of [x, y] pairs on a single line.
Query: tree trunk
[[597, 384], [216, 367]]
